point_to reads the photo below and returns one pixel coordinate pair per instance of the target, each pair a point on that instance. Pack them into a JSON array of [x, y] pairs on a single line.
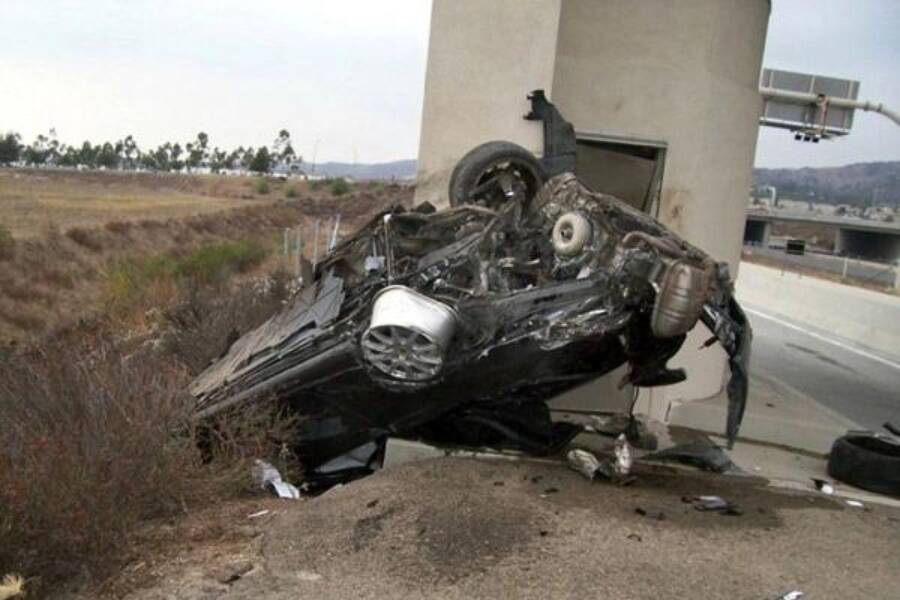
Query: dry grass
[[98, 437], [53, 278], [11, 586], [30, 199]]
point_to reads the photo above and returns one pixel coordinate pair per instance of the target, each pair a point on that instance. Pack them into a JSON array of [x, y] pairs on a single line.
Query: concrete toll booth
[[664, 97]]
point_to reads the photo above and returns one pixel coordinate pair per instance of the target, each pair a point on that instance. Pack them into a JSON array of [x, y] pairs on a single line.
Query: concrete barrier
[[864, 317]]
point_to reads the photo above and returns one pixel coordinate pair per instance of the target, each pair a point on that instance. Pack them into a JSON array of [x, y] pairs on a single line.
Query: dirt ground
[[463, 528]]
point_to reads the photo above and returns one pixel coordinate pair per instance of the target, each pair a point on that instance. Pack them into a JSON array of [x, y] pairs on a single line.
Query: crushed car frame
[[458, 325]]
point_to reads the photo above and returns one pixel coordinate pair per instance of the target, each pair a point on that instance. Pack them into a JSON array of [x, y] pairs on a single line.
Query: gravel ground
[[458, 528]]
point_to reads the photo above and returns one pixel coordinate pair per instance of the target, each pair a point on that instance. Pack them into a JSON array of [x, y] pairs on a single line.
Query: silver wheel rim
[[402, 353]]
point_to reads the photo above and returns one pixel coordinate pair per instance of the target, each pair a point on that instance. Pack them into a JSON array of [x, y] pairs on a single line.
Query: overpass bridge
[[859, 238]]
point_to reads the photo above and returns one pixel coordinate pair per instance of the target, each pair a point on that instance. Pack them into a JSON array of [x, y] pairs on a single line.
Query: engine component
[[571, 234], [408, 334], [679, 300]]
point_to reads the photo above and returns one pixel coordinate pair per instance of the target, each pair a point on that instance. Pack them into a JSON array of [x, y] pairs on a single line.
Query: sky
[[345, 77]]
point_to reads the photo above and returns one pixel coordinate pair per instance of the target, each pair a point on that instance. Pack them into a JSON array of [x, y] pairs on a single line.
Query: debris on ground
[[823, 486], [705, 455], [867, 460], [616, 468], [258, 514], [583, 462], [228, 574], [855, 503], [12, 586], [659, 516], [624, 456], [269, 478], [713, 504], [794, 595]]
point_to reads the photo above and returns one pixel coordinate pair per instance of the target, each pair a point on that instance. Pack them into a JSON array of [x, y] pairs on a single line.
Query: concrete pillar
[[840, 243], [483, 58]]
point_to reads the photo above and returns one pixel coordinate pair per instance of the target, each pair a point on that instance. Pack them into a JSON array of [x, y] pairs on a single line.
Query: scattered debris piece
[[230, 573], [635, 537], [259, 514], [307, 576], [867, 460], [704, 455], [823, 486], [794, 595], [855, 503], [584, 462], [624, 456], [12, 586], [714, 504], [270, 479]]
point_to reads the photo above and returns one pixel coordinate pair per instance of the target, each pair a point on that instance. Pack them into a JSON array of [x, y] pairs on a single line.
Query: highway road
[[859, 384]]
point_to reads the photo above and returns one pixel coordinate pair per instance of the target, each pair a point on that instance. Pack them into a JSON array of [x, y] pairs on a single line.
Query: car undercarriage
[[459, 325]]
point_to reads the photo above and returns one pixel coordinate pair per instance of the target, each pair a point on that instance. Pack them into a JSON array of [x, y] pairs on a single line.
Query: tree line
[[125, 154]]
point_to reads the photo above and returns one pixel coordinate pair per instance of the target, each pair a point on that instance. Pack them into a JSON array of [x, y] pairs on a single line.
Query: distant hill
[[859, 184], [398, 169]]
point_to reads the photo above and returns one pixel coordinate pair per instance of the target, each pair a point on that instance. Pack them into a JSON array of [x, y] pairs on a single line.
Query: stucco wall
[[483, 57]]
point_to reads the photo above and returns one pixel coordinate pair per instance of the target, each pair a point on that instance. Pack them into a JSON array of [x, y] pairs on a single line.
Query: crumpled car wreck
[[458, 325]]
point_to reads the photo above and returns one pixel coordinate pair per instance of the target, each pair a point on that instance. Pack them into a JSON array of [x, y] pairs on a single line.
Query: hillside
[[860, 183], [398, 169]]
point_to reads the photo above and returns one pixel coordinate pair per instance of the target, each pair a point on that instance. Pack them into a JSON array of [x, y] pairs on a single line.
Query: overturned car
[[458, 325]]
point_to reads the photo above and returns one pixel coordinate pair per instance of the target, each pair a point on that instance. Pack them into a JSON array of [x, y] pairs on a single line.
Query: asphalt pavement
[[857, 383]]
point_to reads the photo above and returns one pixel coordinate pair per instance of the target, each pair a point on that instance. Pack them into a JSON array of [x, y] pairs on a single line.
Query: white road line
[[823, 338]]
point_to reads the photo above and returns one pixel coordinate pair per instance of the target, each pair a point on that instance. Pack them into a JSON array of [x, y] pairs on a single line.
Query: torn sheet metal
[[524, 300], [269, 478], [706, 456], [583, 462]]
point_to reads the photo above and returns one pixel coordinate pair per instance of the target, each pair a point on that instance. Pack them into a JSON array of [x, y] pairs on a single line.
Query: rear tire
[[866, 462], [480, 176]]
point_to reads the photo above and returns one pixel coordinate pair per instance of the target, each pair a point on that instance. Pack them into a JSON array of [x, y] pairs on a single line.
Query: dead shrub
[[204, 324], [85, 237], [93, 442], [119, 227]]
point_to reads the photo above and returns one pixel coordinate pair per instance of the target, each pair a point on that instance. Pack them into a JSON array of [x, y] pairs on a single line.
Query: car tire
[[479, 162], [867, 462]]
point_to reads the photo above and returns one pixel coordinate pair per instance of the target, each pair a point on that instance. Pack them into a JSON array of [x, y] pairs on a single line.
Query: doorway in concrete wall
[[630, 169]]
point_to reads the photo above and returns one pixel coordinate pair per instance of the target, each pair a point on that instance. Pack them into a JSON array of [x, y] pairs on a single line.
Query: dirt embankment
[[462, 528], [64, 274]]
